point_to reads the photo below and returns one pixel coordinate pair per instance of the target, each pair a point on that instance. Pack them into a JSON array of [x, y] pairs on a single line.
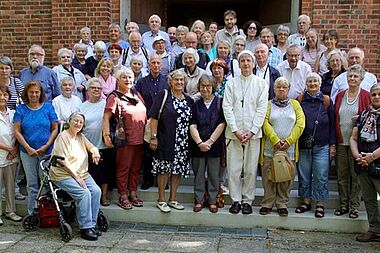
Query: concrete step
[[306, 221], [185, 194]]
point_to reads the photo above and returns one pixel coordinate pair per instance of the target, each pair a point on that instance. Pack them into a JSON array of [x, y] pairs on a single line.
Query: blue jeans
[[313, 173], [33, 175], [87, 200]]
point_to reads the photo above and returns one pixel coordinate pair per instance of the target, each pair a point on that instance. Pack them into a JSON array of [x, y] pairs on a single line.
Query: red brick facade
[[56, 23]]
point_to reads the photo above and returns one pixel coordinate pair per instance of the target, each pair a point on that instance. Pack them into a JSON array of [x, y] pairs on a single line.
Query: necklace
[[315, 54], [352, 102]]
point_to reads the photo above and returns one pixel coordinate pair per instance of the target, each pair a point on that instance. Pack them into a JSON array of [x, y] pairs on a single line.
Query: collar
[[263, 68], [235, 29]]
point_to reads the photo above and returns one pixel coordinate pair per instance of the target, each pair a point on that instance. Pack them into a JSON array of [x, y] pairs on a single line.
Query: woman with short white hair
[[80, 51], [190, 59], [66, 69], [92, 62]]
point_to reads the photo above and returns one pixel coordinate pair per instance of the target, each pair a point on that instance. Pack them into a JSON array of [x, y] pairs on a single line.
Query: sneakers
[[225, 190], [13, 217], [176, 205], [19, 196], [163, 207]]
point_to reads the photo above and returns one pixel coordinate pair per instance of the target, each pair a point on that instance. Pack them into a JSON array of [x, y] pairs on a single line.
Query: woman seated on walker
[[73, 176]]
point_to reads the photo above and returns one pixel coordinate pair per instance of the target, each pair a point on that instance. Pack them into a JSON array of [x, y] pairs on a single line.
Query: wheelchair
[[60, 201]]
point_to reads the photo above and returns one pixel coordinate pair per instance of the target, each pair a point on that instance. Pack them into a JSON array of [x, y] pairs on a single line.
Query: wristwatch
[[153, 137]]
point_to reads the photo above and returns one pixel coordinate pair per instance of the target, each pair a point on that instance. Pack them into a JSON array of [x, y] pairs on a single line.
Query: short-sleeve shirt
[[134, 116], [36, 124]]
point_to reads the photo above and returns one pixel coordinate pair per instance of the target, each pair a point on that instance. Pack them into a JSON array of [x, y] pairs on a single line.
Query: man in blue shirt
[[148, 37], [37, 71]]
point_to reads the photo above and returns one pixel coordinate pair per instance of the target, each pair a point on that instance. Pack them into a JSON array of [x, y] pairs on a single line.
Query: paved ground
[[153, 238]]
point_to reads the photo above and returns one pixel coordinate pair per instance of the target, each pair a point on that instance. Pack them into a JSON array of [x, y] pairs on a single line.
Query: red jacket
[[364, 102]]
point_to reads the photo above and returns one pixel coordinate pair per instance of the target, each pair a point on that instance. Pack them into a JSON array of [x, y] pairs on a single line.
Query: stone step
[[185, 194], [306, 221]]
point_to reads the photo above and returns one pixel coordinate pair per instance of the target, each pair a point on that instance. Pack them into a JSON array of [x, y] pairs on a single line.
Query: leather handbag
[[148, 131], [282, 168], [117, 132]]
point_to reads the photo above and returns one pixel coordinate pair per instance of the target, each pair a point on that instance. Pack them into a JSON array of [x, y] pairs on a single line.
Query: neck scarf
[[369, 130], [280, 103]]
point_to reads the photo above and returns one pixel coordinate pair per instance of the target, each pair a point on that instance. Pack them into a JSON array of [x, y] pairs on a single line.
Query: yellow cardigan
[[294, 135]]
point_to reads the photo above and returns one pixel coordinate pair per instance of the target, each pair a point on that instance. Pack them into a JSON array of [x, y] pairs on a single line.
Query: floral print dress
[[180, 165]]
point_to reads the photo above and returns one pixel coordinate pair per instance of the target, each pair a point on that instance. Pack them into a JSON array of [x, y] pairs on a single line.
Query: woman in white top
[[8, 156], [66, 103]]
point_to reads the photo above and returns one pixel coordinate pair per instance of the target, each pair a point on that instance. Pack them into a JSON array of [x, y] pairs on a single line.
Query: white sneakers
[[176, 205], [13, 217]]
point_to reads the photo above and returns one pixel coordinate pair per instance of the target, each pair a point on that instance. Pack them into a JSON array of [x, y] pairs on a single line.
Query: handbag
[[148, 131], [282, 168], [373, 171], [306, 142], [47, 212], [117, 132]]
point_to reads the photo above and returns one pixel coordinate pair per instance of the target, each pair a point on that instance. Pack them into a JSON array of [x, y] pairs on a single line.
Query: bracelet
[[199, 143], [372, 157], [211, 139]]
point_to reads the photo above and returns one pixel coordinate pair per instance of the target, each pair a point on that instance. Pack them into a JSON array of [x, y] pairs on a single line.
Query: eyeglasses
[[239, 45], [252, 28], [79, 122], [95, 88], [36, 54], [375, 94]]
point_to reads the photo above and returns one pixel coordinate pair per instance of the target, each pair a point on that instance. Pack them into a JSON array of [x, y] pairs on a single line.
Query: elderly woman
[[337, 64], [252, 29], [8, 80], [36, 126], [92, 62], [299, 38], [190, 59], [93, 110], [223, 52], [313, 48], [65, 69], [198, 28], [137, 69], [126, 101], [239, 45], [179, 47], [283, 32], [170, 139], [79, 61], [317, 146], [219, 70], [66, 103], [207, 45], [206, 128], [8, 156], [114, 52], [349, 104], [104, 72], [73, 176], [281, 111], [365, 148], [330, 40]]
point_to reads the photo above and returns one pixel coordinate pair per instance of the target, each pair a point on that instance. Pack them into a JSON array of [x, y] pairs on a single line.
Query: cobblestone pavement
[[123, 237]]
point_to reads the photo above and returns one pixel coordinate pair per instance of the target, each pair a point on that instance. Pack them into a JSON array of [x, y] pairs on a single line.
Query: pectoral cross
[[242, 102]]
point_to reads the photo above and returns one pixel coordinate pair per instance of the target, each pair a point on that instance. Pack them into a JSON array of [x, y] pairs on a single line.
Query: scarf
[[369, 130], [280, 103]]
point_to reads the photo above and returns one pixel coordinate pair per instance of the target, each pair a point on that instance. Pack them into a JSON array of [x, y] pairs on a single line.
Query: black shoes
[[247, 208], [235, 208], [97, 231], [88, 234]]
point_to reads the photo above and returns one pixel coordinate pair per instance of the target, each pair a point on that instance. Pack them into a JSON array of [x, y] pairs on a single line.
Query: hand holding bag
[[148, 131], [282, 168], [117, 132]]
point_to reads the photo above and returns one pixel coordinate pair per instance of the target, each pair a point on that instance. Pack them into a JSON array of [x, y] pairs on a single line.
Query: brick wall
[[357, 22]]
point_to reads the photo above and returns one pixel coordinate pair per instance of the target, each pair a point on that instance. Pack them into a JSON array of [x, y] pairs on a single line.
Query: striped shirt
[[16, 87]]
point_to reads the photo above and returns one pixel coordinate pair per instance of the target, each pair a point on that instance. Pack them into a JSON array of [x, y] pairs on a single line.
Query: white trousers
[[242, 159]]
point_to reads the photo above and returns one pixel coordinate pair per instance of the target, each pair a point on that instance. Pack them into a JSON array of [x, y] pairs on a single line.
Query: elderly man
[[172, 34], [149, 87], [135, 50], [130, 27], [294, 70], [114, 32], [275, 54], [148, 37], [244, 105], [299, 38], [37, 71], [230, 30], [355, 56], [191, 41], [85, 34], [263, 69], [159, 47]]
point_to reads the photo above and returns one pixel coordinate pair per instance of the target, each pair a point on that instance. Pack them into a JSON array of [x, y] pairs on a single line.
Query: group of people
[[219, 102]]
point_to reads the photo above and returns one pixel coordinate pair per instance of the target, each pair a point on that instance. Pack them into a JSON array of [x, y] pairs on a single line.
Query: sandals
[[136, 201], [282, 212], [303, 208], [105, 202], [125, 204], [354, 213], [319, 211], [341, 211], [176, 205], [198, 207], [265, 210], [163, 207], [213, 208]]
